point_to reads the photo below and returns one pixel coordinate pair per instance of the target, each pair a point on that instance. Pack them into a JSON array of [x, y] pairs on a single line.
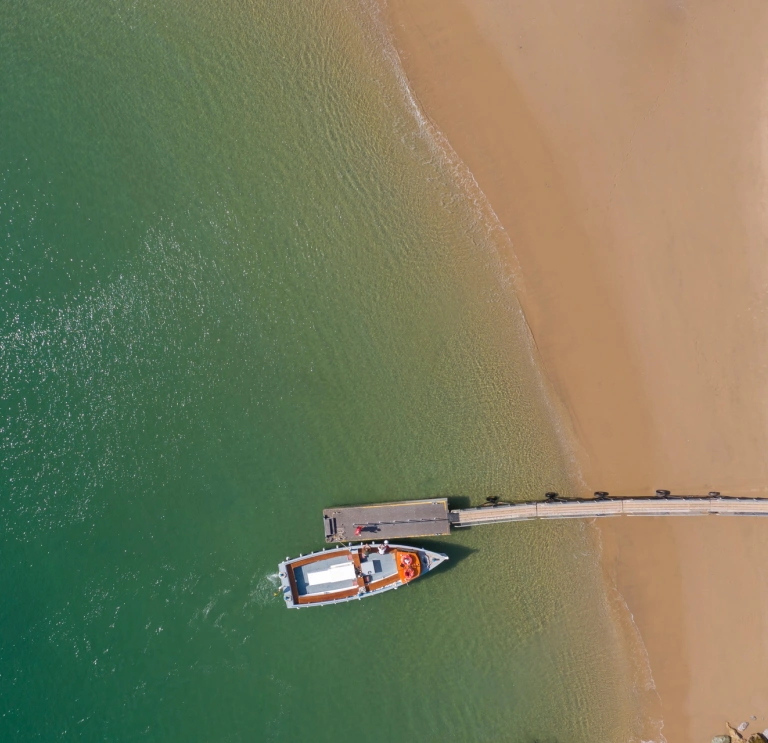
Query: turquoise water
[[239, 284]]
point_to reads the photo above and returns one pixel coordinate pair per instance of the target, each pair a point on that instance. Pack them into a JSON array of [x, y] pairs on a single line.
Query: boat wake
[[265, 591]]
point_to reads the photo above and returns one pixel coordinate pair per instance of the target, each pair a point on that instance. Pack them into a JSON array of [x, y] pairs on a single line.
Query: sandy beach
[[623, 148]]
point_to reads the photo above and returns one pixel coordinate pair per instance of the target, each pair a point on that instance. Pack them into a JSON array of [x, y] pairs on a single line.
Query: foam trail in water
[[264, 592]]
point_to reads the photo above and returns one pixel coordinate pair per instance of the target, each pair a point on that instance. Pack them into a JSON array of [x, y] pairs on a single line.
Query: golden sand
[[622, 146]]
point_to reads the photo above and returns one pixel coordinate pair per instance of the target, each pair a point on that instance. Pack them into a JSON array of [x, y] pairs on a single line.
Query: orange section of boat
[[408, 565]]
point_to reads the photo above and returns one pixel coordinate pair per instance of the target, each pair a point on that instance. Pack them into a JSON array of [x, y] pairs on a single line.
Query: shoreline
[[699, 616], [617, 147]]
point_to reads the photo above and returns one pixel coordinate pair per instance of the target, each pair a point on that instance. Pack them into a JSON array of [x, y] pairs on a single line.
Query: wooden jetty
[[411, 518], [431, 518], [598, 508]]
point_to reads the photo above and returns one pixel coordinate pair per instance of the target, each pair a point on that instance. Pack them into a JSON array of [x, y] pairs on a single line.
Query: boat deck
[[415, 518], [349, 573]]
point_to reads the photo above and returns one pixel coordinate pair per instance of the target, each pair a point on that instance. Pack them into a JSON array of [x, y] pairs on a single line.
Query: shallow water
[[240, 284]]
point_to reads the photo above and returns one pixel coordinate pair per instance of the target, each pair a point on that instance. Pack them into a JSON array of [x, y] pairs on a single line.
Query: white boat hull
[[352, 573]]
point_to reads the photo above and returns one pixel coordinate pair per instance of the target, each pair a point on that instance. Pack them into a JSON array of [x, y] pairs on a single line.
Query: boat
[[349, 573]]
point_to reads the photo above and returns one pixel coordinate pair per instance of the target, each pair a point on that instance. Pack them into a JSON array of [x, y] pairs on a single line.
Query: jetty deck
[[431, 518], [588, 509], [414, 518]]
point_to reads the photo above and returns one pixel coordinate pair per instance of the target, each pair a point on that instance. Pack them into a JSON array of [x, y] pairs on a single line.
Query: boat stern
[[286, 589]]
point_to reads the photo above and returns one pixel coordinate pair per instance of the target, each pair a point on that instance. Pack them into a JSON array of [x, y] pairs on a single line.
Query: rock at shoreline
[[736, 736], [734, 732]]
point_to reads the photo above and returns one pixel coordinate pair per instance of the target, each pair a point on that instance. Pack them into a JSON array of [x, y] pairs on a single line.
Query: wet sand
[[696, 588], [623, 148]]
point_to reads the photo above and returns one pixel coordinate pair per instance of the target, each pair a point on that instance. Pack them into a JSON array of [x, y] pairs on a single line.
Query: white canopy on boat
[[334, 574]]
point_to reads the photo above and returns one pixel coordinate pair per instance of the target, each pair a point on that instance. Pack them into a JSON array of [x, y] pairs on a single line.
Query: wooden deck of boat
[[378, 521]]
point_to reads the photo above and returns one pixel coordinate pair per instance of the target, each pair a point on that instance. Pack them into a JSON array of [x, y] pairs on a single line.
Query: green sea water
[[239, 283]]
